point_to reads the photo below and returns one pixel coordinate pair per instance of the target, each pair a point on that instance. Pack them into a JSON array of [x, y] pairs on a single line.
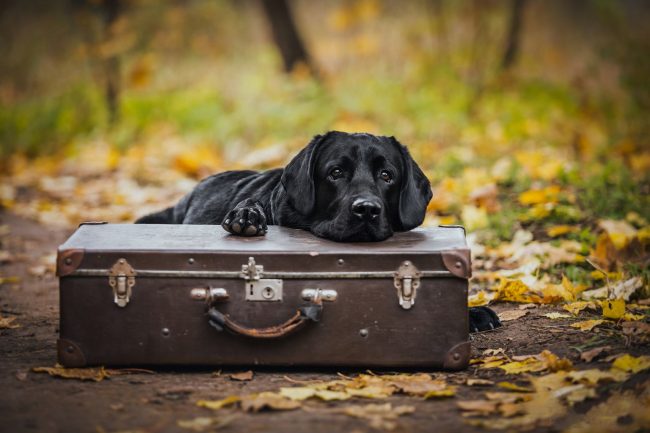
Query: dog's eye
[[336, 172], [386, 175]]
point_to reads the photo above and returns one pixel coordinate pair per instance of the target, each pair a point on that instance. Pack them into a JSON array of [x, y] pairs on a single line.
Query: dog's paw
[[245, 221], [482, 319]]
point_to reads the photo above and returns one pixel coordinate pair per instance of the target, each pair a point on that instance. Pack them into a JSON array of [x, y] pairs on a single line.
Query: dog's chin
[[361, 232]]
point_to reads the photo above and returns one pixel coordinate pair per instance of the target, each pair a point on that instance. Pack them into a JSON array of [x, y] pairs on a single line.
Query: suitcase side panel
[[364, 327]]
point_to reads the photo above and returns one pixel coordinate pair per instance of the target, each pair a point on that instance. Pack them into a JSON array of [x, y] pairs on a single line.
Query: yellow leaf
[[587, 325], [219, 404], [328, 395], [560, 230], [267, 400], [613, 309], [593, 377], [515, 291], [478, 300], [631, 317], [94, 374], [620, 232], [540, 196], [298, 393], [605, 417], [513, 387], [370, 392], [450, 391], [555, 315], [631, 364], [576, 307]]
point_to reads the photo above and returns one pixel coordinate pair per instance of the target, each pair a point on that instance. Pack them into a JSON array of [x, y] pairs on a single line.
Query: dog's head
[[356, 187]]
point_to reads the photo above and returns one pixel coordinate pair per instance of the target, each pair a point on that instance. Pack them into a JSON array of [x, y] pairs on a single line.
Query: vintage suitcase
[[194, 295]]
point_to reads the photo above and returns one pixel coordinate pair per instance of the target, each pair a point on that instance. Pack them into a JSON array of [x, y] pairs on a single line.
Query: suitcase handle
[[304, 315]]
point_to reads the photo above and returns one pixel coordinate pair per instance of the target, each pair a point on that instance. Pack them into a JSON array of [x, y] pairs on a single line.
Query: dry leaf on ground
[[243, 376], [508, 315], [219, 404], [590, 355], [7, 323], [267, 401], [587, 325], [95, 374], [631, 364], [621, 412]]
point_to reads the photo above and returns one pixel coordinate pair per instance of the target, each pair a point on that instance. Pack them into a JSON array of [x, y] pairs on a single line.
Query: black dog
[[343, 187]]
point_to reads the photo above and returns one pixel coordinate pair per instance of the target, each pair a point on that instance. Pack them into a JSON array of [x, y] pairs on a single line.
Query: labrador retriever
[[343, 187]]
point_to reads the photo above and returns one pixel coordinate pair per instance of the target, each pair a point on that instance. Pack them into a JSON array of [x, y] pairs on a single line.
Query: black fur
[[343, 187]]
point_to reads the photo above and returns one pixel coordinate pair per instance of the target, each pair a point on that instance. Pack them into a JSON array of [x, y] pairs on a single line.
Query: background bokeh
[[112, 108]]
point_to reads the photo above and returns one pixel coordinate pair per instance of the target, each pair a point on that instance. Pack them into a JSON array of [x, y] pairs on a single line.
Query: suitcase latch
[[121, 278], [258, 288], [407, 282]]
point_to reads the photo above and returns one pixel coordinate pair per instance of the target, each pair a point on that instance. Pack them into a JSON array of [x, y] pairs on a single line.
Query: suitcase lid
[[123, 253], [203, 248]]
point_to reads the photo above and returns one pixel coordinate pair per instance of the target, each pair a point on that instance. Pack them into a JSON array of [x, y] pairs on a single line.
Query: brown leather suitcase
[[194, 295]]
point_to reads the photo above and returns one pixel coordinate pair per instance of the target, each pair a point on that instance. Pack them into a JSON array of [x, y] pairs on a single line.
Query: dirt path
[[155, 402]]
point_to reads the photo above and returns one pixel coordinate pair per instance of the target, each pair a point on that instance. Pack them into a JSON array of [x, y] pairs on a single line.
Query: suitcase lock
[[407, 281], [121, 278], [258, 288]]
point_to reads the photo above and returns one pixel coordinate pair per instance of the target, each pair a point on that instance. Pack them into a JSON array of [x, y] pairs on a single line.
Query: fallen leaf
[[243, 376], [576, 307], [267, 401], [482, 407], [607, 416], [590, 355], [7, 323], [449, 391], [508, 315], [613, 309], [479, 382], [560, 230], [587, 325], [631, 364], [594, 376], [219, 404], [298, 393], [95, 374], [513, 387], [555, 315]]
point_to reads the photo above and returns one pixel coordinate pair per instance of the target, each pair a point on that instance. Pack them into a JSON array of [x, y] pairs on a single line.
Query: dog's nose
[[366, 209]]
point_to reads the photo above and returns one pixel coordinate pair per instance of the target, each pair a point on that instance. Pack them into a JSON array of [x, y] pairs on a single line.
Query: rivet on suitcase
[[194, 295]]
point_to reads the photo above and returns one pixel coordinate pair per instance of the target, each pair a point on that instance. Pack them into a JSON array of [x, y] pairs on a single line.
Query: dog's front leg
[[246, 219]]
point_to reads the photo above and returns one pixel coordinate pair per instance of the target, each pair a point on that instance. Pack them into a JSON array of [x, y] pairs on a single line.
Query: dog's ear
[[415, 193], [298, 177]]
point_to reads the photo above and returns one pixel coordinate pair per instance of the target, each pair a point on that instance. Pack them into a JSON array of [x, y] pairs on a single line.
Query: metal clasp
[[407, 282], [313, 295], [121, 278], [259, 289], [209, 294]]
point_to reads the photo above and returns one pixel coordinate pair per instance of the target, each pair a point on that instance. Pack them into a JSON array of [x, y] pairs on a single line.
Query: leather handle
[[304, 315]]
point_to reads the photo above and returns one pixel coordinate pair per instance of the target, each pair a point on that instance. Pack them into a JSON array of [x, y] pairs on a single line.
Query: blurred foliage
[[202, 90]]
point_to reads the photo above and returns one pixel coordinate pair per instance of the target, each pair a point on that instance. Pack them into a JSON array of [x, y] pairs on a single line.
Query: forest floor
[[540, 394]]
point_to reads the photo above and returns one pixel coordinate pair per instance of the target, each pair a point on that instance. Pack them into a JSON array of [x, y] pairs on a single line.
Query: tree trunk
[[111, 13], [285, 34], [514, 35]]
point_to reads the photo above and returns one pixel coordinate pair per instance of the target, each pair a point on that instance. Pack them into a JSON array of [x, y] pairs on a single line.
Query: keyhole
[[268, 292], [251, 290]]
